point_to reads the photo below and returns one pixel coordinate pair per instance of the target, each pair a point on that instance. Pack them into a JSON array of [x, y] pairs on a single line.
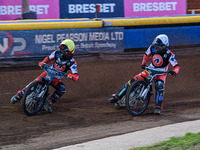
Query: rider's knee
[[60, 88], [159, 86]]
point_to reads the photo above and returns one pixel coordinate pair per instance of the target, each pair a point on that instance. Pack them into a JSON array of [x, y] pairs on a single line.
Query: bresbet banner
[[148, 8], [87, 8], [34, 43], [45, 9]]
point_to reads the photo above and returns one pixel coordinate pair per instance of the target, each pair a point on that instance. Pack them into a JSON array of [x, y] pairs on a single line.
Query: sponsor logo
[[59, 67], [74, 67], [17, 44], [157, 60], [153, 50], [176, 70], [172, 58], [17, 9], [156, 6], [7, 43], [139, 8], [144, 73], [91, 8]]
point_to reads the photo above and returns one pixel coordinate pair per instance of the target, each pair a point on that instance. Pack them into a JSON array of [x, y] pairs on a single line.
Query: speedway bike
[[139, 92], [36, 93]]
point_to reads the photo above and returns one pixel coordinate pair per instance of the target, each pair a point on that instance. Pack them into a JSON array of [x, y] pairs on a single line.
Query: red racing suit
[[60, 65], [159, 62]]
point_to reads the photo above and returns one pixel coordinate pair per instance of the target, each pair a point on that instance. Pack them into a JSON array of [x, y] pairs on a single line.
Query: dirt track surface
[[84, 112]]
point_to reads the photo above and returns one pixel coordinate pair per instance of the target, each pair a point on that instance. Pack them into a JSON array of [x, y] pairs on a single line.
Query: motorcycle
[[139, 92], [36, 93]]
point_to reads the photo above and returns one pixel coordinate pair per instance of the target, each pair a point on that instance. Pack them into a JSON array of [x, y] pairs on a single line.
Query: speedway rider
[[161, 58], [62, 61]]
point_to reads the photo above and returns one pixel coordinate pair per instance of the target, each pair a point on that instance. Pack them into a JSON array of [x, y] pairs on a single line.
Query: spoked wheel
[[135, 104], [32, 101]]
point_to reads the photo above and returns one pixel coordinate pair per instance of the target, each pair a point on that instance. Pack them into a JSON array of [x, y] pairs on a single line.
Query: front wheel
[[135, 103], [34, 97]]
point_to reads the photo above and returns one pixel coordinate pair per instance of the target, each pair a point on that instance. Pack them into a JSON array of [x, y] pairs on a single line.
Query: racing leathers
[[160, 62], [61, 65]]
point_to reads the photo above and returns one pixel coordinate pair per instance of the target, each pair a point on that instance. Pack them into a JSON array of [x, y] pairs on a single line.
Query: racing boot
[[158, 107], [60, 90], [15, 99], [120, 103], [115, 97], [18, 96], [48, 106], [157, 111]]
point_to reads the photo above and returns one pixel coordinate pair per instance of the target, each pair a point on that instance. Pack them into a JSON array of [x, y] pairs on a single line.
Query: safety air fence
[[38, 38]]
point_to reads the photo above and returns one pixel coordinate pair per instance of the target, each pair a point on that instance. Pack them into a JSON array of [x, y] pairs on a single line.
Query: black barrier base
[[29, 15]]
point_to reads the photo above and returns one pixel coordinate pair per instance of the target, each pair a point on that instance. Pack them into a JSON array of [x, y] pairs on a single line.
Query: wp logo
[[6, 43], [15, 45]]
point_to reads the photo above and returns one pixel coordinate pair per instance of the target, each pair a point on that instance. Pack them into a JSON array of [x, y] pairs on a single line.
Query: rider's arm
[[174, 63], [74, 73], [146, 56], [48, 59]]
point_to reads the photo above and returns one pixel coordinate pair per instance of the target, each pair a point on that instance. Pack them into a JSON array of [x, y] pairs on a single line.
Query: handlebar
[[53, 71], [161, 72]]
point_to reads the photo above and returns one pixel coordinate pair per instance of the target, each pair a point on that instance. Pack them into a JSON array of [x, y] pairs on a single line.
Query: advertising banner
[[145, 8], [33, 43], [87, 8], [45, 9]]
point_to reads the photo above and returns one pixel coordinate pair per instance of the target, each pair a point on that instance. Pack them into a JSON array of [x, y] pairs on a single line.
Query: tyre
[[135, 105], [32, 101]]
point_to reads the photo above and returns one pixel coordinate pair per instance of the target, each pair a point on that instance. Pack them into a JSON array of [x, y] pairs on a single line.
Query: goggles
[[64, 50]]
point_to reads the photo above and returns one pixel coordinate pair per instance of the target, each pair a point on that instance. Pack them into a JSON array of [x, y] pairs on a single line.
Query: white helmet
[[160, 43]]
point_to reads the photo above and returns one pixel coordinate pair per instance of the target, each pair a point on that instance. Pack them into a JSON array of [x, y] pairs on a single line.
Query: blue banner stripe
[[178, 36]]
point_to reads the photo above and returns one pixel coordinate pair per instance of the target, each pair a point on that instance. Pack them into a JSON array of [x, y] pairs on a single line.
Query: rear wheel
[[136, 105], [32, 100]]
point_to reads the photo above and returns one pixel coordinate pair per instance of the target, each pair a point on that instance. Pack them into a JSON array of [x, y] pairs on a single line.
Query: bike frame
[[139, 92], [38, 95], [51, 73], [150, 79]]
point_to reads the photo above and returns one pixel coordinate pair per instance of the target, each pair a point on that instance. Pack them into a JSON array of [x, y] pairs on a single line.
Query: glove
[[73, 77], [172, 73], [143, 66], [41, 64]]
